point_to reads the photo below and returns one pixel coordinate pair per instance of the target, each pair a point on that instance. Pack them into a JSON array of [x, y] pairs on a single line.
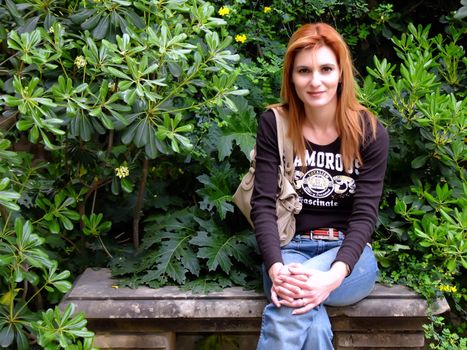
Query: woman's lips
[[315, 93]]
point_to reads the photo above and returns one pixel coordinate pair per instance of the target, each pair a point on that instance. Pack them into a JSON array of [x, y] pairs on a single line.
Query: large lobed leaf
[[219, 248], [240, 129], [216, 192], [173, 257]]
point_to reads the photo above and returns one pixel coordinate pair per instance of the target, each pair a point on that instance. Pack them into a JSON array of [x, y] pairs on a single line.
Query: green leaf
[[67, 224], [216, 192], [87, 18], [202, 286], [451, 265], [54, 227], [7, 335], [62, 286], [240, 129], [219, 248], [101, 29], [118, 74], [22, 341], [419, 161], [173, 257], [127, 185], [176, 258]]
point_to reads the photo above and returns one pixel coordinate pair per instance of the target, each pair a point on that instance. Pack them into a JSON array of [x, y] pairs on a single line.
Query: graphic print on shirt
[[324, 183]]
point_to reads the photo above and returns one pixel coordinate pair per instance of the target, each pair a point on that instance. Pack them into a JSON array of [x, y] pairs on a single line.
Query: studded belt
[[330, 234]]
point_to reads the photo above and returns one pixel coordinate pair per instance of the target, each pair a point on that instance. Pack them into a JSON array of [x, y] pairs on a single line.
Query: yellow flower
[[122, 171], [447, 288], [240, 38], [267, 9], [80, 62], [223, 11], [51, 30]]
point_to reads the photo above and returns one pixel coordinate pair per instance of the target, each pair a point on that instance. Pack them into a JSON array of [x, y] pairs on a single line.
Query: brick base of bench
[[169, 319]]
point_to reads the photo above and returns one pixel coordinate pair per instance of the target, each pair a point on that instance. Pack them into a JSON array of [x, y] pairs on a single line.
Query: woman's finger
[[294, 303], [300, 270], [297, 283], [291, 288], [284, 293], [274, 298], [304, 309]]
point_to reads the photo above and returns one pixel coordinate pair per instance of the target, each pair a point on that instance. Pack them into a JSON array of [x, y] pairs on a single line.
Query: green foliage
[[218, 342], [441, 338], [121, 116], [422, 240], [188, 251], [102, 99], [25, 264], [59, 330]]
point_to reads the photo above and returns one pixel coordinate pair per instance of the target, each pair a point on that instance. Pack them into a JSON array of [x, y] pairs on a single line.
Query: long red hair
[[350, 125]]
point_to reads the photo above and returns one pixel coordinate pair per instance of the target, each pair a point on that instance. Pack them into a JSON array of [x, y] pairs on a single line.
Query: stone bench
[[169, 319]]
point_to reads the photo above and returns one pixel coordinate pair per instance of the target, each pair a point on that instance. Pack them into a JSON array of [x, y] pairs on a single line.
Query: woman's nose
[[314, 79]]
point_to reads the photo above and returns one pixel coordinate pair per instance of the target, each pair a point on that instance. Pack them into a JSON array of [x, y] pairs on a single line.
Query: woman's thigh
[[357, 285]]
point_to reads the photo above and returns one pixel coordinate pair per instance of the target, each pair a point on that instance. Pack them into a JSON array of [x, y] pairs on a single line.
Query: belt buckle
[[325, 237]]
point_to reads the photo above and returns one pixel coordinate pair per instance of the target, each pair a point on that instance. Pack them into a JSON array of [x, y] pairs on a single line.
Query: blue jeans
[[280, 330]]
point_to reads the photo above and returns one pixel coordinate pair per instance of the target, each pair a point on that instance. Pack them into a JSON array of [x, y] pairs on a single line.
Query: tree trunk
[[139, 203]]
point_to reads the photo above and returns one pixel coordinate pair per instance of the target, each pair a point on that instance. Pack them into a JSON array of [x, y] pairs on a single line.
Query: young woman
[[340, 152]]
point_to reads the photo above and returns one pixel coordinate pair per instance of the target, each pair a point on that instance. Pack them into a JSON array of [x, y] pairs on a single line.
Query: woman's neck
[[320, 125]]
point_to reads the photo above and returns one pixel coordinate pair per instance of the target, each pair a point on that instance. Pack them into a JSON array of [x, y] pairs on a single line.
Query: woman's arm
[[263, 211], [263, 200], [369, 187]]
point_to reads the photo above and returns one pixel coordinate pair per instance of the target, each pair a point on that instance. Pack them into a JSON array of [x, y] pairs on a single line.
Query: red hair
[[350, 125]]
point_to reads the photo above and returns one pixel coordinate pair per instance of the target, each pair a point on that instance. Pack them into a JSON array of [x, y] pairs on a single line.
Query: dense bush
[[126, 129], [422, 240], [111, 101]]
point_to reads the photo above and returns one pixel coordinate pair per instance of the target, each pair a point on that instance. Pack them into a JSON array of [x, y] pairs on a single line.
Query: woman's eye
[[303, 70], [327, 69]]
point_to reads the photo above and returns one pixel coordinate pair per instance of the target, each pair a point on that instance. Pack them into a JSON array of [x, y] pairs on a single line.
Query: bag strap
[[284, 143]]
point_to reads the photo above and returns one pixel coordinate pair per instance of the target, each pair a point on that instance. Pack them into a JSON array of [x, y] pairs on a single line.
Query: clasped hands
[[296, 286]]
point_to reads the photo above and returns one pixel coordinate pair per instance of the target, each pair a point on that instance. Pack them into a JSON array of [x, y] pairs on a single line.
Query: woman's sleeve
[[369, 187], [263, 200]]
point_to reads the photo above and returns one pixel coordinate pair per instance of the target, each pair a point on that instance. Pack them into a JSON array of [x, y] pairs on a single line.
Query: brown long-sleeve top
[[331, 197]]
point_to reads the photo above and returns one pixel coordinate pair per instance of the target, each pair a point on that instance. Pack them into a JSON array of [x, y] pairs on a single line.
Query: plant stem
[[4, 214], [110, 141], [104, 247], [139, 203]]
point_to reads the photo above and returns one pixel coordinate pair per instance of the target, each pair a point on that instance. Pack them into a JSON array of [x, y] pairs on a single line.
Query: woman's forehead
[[316, 55]]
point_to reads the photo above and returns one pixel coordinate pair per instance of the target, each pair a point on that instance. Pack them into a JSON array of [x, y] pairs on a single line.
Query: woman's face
[[316, 76]]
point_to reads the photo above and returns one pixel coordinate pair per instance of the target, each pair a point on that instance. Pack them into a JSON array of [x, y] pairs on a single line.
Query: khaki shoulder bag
[[287, 204]]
